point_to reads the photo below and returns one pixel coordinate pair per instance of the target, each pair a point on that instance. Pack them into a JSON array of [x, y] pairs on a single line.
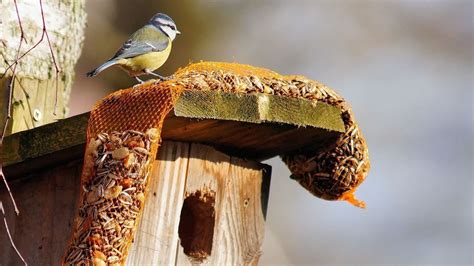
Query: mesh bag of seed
[[122, 140], [333, 172]]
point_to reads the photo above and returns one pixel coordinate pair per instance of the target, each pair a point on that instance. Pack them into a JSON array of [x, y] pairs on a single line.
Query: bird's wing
[[143, 41]]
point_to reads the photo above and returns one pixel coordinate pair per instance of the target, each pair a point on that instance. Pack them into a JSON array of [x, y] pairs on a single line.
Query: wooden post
[[36, 82]]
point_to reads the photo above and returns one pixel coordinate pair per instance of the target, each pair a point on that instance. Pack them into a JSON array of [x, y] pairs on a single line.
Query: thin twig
[[13, 68], [9, 104], [43, 34], [22, 38], [7, 120], [56, 68], [9, 234], [8, 189], [22, 32]]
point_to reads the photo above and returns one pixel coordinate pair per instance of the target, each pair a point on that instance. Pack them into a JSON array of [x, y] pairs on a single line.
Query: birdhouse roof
[[254, 126]]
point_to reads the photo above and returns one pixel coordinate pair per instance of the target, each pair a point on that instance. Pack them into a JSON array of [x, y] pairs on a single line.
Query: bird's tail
[[101, 68]]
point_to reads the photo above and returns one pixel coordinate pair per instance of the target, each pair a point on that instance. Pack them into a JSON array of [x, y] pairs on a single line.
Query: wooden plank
[[66, 186], [253, 141], [156, 240], [30, 88], [19, 108], [258, 108], [259, 136], [205, 191], [34, 103], [235, 186], [47, 204], [4, 94], [44, 140], [241, 226], [49, 87]]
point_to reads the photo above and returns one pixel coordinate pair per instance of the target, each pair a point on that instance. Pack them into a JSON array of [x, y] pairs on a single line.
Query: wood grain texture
[[47, 204], [156, 240], [250, 140], [239, 220], [47, 199], [33, 103], [257, 108]]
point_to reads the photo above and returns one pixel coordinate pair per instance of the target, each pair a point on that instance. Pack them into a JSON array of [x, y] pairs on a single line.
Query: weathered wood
[[47, 201], [230, 190], [36, 82], [250, 138], [156, 241], [258, 108], [45, 140], [232, 187]]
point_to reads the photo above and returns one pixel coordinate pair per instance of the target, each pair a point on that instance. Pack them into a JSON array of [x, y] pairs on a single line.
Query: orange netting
[[137, 108], [123, 136]]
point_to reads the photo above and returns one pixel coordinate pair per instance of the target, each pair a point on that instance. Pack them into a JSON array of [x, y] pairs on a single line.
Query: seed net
[[333, 172], [123, 136]]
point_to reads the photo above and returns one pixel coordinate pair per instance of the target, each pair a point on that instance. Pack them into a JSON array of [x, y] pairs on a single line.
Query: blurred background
[[405, 67]]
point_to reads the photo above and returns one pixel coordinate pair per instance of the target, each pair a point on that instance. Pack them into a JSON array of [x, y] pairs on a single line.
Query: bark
[[36, 81]]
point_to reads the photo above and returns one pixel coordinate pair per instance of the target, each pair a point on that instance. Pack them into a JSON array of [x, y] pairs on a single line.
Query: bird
[[146, 50]]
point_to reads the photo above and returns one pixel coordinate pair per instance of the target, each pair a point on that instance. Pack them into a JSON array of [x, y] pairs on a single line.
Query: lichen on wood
[[258, 108]]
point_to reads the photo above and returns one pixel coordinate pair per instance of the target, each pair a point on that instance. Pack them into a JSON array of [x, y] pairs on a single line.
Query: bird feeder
[[203, 198]]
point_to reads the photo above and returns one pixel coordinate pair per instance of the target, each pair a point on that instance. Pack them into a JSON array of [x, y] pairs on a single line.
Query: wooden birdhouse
[[207, 191]]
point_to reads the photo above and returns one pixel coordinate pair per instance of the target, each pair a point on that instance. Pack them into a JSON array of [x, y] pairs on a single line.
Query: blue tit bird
[[146, 50]]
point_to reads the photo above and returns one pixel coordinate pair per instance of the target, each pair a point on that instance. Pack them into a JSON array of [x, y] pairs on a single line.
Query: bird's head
[[166, 24]]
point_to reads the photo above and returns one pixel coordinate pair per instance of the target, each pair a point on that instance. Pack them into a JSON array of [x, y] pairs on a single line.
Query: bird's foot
[[140, 82], [159, 76]]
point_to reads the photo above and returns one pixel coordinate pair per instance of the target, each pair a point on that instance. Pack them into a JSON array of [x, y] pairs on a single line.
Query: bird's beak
[[178, 32]]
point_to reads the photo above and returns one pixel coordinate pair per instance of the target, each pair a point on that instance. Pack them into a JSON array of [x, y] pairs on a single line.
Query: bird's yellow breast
[[137, 65]]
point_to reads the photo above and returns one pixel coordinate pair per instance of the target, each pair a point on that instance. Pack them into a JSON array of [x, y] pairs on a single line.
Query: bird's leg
[[138, 79], [157, 75]]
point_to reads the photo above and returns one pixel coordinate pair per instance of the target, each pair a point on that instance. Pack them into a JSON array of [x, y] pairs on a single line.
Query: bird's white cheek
[[172, 35], [169, 31]]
